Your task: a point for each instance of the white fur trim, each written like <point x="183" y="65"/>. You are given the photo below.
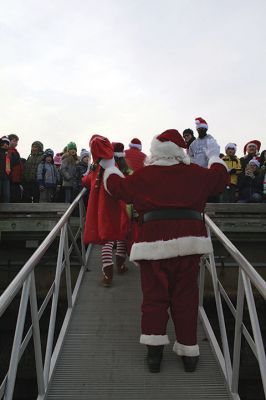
<point x="162" y="152"/>
<point x="183" y="350"/>
<point x="167" y="162"/>
<point x="108" y="172"/>
<point x="119" y="154"/>
<point x="154" y="340"/>
<point x="137" y="146"/>
<point x="162" y="249"/>
<point x="216" y="160"/>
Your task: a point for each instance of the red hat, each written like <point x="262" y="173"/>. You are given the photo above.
<point x="118" y="149"/>
<point x="101" y="148"/>
<point x="136" y="143"/>
<point x="201" y="123"/>
<point x="168" y="148"/>
<point x="57" y="159"/>
<point x="255" y="142"/>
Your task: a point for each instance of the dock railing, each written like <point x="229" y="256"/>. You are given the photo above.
<point x="249" y="281"/>
<point x="24" y="284"/>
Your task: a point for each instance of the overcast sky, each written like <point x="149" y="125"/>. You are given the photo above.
<point x="131" y="68"/>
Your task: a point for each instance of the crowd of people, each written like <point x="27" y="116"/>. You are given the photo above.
<point x="48" y="177"/>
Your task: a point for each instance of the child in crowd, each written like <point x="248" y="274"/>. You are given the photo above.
<point x="250" y="183"/>
<point x="251" y="151"/>
<point x="68" y="171"/>
<point x="16" y="174"/>
<point x="234" y="169"/>
<point x="47" y="177"/>
<point x="5" y="170"/>
<point x="59" y="193"/>
<point x="31" y="193"/>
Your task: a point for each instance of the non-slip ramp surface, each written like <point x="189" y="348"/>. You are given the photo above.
<point x="103" y="360"/>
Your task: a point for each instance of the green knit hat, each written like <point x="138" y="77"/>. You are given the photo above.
<point x="72" y="146"/>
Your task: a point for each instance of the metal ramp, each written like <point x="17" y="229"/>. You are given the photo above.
<point x="102" y="359"/>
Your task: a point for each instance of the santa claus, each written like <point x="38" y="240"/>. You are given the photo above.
<point x="169" y="195"/>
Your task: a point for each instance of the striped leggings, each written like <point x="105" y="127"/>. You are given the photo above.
<point x="107" y="252"/>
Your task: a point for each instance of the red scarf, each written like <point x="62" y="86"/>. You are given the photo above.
<point x="8" y="167"/>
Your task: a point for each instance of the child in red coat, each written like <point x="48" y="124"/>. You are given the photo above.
<point x="104" y="213"/>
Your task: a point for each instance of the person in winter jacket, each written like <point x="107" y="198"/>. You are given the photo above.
<point x="250" y="183"/>
<point x="5" y="170"/>
<point x="16" y="175"/>
<point x="47" y="177"/>
<point x="105" y="216"/>
<point x="197" y="149"/>
<point x="169" y="195"/>
<point x="134" y="156"/>
<point x="68" y="171"/>
<point x="31" y="193"/>
<point x="188" y="136"/>
<point x="251" y="152"/>
<point x="234" y="169"/>
<point x="82" y="168"/>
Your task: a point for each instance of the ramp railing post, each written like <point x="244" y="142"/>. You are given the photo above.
<point x="13" y="366"/>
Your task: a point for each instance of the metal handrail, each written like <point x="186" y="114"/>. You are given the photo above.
<point x="25" y="280"/>
<point x="247" y="276"/>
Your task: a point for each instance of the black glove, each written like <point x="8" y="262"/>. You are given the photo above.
<point x="232" y="171"/>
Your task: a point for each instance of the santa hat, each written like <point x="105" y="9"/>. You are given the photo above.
<point x="230" y="146"/>
<point x="118" y="150"/>
<point x="57" y="159"/>
<point x="136" y="143"/>
<point x="255" y="162"/>
<point x="255" y="142"/>
<point x="101" y="148"/>
<point x="168" y="149"/>
<point x="84" y="153"/>
<point x="201" y="123"/>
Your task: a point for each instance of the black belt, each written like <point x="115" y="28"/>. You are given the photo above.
<point x="172" y="213"/>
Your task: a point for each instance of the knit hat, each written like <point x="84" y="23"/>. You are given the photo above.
<point x="136" y="143"/>
<point x="201" y="123"/>
<point x="57" y="159"/>
<point x="39" y="144"/>
<point x="4" y="139"/>
<point x="48" y="153"/>
<point x="255" y="142"/>
<point x="118" y="150"/>
<point x="101" y="148"/>
<point x="169" y="145"/>
<point x="71" y="146"/>
<point x="84" y="153"/>
<point x="255" y="162"/>
<point x="230" y="146"/>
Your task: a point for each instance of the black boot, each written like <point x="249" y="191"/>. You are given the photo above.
<point x="154" y="357"/>
<point x="190" y="363"/>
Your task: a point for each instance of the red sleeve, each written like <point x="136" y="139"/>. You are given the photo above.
<point x="216" y="186"/>
<point x="120" y="187"/>
<point x="86" y="181"/>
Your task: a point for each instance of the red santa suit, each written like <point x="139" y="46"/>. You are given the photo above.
<point x="134" y="156"/>
<point x="169" y="194"/>
<point x="105" y="217"/>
